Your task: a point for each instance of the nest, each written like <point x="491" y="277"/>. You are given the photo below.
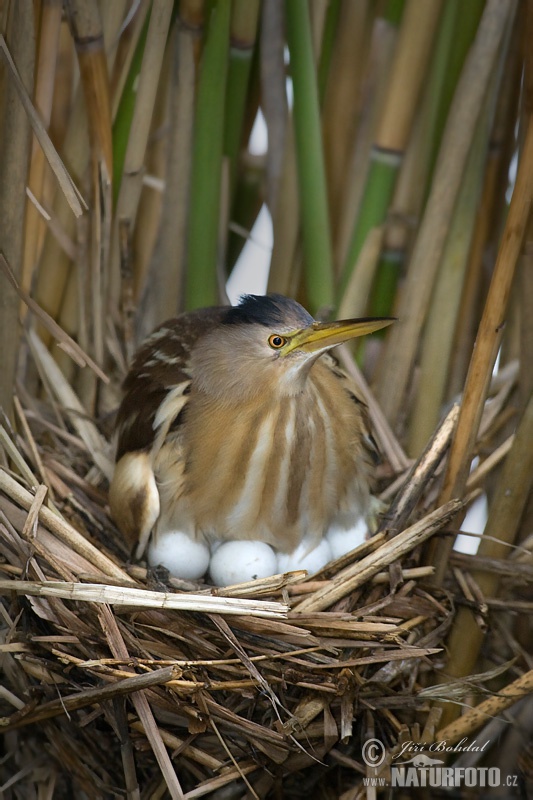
<point x="119" y="681"/>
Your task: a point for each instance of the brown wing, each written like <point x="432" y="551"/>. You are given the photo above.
<point x="160" y="367"/>
<point x="155" y="394"/>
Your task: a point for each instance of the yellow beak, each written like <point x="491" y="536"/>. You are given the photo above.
<point x="324" y="335"/>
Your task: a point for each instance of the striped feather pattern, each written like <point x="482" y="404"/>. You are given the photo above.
<point x="241" y="444"/>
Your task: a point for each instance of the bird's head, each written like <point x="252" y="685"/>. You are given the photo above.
<point x="268" y="341"/>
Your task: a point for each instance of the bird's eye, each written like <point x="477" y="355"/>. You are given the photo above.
<point x="276" y="341"/>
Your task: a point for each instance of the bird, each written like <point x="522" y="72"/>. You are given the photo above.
<point x="239" y="438"/>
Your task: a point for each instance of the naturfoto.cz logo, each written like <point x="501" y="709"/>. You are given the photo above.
<point x="424" y="770"/>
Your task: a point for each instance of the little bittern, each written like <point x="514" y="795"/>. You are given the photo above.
<point x="237" y="424"/>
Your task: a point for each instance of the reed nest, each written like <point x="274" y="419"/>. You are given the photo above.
<point x="119" y="681"/>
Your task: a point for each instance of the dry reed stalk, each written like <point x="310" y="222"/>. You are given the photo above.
<point x="55" y="263"/>
<point x="66" y="342"/>
<point x="145" y="227"/>
<point x="63" y="392"/>
<point x="138" y="598"/>
<point x="382" y="45"/>
<point x="283" y="273"/>
<point x="439" y="334"/>
<point x="129" y="191"/>
<point x="193" y="18"/>
<point x="473" y="719"/>
<point x="47" y="49"/>
<point x="389" y="444"/>
<point x="98" y="695"/>
<point x="273" y="99"/>
<point x="411" y="57"/>
<point x="62" y="529"/>
<point x="490" y="212"/>
<point x="122" y="41"/>
<point x="359" y="287"/>
<point x="507" y="507"/>
<point x="343" y="99"/>
<point x="489" y="334"/>
<point x="525" y="288"/>
<point x="401" y="349"/>
<point x="421" y="473"/>
<point x="12" y="453"/>
<point x="355" y="575"/>
<point x="14" y="162"/>
<point x="167" y="268"/>
<point x="87" y="32"/>
<point x="412" y="54"/>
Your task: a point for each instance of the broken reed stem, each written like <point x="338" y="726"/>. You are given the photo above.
<point x="143" y="598"/>
<point x="83" y="425"/>
<point x="422" y="472"/>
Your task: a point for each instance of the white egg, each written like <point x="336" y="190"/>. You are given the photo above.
<point x="342" y="541"/>
<point x="303" y="558"/>
<point x="241" y="561"/>
<point x="182" y="556"/>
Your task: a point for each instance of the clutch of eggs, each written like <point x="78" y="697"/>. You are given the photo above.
<point x="239" y="561"/>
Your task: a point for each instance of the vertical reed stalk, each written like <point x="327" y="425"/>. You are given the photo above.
<point x="488" y="338"/>
<point x="410" y="62"/>
<point x="44" y="87"/>
<point x="206" y="176"/>
<point x="167" y="269"/>
<point x="87" y="32"/>
<point x="14" y="162"/>
<point x="442" y="316"/>
<point x="508" y="504"/>
<point x="243" y="31"/>
<point x="310" y="158"/>
<point x="343" y="98"/>
<point x="402" y="348"/>
<point x="129" y="191"/>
